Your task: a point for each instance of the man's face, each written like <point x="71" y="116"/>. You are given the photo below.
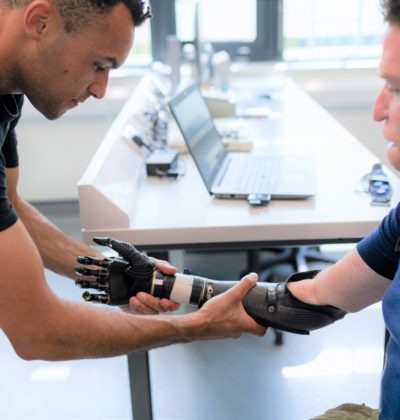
<point x="71" y="67"/>
<point x="387" y="104"/>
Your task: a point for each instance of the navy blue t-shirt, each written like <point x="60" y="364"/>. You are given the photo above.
<point x="10" y="112"/>
<point x="378" y="252"/>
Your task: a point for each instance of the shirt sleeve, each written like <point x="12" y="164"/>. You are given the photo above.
<point x="378" y="248"/>
<point x="8" y="216"/>
<point x="9" y="159"/>
<point x="9" y="148"/>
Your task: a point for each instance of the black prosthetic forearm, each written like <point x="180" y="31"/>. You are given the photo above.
<point x="270" y="304"/>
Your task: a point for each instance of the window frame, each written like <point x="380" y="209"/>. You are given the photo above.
<point x="317" y="48"/>
<point x="267" y="45"/>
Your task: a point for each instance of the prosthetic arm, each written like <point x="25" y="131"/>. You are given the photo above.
<point x="270" y="304"/>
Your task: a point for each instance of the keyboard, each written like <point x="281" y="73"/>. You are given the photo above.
<point x="251" y="174"/>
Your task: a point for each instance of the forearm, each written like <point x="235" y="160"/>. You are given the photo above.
<point x="40" y="325"/>
<point x="58" y="251"/>
<point x="76" y="331"/>
<point x="62" y="330"/>
<point x="349" y="285"/>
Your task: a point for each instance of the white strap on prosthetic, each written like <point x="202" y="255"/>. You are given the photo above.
<point x="182" y="288"/>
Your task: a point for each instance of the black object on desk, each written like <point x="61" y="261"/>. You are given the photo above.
<point x="162" y="162"/>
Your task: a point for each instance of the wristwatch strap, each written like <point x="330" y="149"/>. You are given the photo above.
<point x="379" y="186"/>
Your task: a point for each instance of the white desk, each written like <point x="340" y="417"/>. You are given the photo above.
<point x="168" y="214"/>
<point x="117" y="200"/>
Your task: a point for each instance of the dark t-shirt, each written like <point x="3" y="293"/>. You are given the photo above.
<point x="378" y="251"/>
<point x="10" y="111"/>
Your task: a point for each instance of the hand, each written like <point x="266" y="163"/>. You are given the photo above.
<point x="225" y="315"/>
<point x="146" y="304"/>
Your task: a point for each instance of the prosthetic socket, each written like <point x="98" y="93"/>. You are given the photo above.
<point x="269" y="304"/>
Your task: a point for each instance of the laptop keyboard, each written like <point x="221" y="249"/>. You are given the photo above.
<point x="252" y="174"/>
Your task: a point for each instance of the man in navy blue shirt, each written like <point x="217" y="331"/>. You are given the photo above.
<point x="370" y="272"/>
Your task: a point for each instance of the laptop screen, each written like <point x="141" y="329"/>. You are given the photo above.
<point x="197" y="127"/>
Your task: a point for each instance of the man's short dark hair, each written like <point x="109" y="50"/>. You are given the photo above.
<point x="78" y="14"/>
<point x="391" y="11"/>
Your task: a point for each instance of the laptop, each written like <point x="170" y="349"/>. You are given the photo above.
<point x="237" y="175"/>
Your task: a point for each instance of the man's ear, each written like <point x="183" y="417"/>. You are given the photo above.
<point x="40" y="18"/>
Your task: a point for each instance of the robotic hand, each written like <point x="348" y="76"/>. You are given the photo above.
<point x="270" y="304"/>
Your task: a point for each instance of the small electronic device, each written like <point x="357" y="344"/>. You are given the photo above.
<point x="162" y="162"/>
<point x="257" y="200"/>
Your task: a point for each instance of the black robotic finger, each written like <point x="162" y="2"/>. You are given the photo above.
<point x="84" y="271"/>
<point x="86" y="284"/>
<point x="95" y="297"/>
<point x="126" y="250"/>
<point x="100" y="262"/>
<point x="104" y="241"/>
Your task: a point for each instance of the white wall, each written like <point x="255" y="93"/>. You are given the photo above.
<point x="54" y="154"/>
<point x="349" y="95"/>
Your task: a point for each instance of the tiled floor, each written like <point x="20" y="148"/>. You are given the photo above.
<point x="245" y="379"/>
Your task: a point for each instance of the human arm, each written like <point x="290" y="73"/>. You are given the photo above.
<point x="350" y="284"/>
<point x="59" y="251"/>
<point x="270" y="304"/>
<point x="40" y="325"/>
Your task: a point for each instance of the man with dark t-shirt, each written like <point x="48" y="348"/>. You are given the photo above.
<point x="59" y="53"/>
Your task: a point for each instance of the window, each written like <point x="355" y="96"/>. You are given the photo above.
<point x="295" y="30"/>
<point x="331" y="30"/>
<point x="141" y="53"/>
<point x="241" y="26"/>
<point x="246" y="29"/>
